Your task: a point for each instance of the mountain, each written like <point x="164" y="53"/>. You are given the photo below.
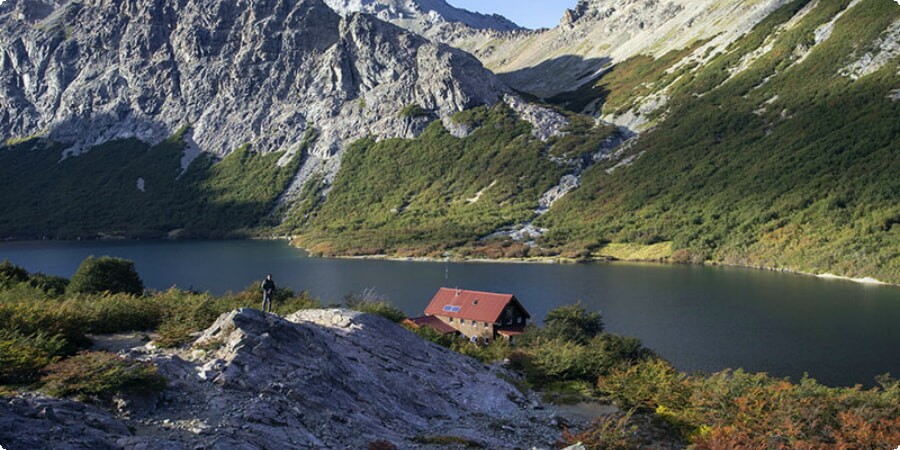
<point x="778" y="150"/>
<point x="423" y="15"/>
<point x="749" y="133"/>
<point x="315" y="379"/>
<point x="235" y="72"/>
<point x="598" y="33"/>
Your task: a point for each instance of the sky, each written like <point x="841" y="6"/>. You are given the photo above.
<point x="527" y="13"/>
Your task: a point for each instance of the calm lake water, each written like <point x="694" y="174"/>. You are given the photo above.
<point x="699" y="318"/>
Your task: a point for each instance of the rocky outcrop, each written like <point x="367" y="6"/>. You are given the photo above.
<point x="545" y="122"/>
<point x="884" y="49"/>
<point x="235" y="71"/>
<point x="316" y="379"/>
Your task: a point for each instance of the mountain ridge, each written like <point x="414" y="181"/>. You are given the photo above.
<point x="236" y="73"/>
<point x="422" y="13"/>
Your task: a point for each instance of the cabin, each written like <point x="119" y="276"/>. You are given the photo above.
<point x="479" y="316"/>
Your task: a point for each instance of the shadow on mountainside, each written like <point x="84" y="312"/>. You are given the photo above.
<point x="555" y="76"/>
<point x="128" y="188"/>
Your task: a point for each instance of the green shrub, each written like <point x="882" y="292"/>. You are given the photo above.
<point x="558" y="360"/>
<point x="496" y="350"/>
<point x="106" y="274"/>
<point x="53" y="318"/>
<point x="100" y="376"/>
<point x="173" y="333"/>
<point x="11" y="274"/>
<point x="113" y="313"/>
<point x="187" y="313"/>
<point x="648" y="384"/>
<point x="572" y="323"/>
<point x="22" y="357"/>
<point x="413" y="110"/>
<point x="53" y="285"/>
<point x="614" y="432"/>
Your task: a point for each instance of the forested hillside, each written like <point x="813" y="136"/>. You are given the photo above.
<point x="792" y="162"/>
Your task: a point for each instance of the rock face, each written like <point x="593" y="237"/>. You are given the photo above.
<point x="316" y="379"/>
<point x="597" y="33"/>
<point x="236" y="71"/>
<point x="423" y="15"/>
<point x="33" y="421"/>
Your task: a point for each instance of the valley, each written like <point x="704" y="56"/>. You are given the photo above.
<point x="768" y="140"/>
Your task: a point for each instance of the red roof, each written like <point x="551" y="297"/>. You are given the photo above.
<point x="433" y="323"/>
<point x="471" y="305"/>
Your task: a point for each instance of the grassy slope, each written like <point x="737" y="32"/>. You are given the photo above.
<point x="810" y="184"/>
<point x="96" y="192"/>
<point x="413" y="197"/>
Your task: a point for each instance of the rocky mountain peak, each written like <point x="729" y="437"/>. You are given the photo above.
<point x="236" y="71"/>
<point x="570" y="16"/>
<point x="426" y="12"/>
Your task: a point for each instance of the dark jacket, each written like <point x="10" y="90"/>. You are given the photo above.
<point x="268" y="285"/>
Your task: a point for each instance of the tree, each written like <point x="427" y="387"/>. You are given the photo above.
<point x="106" y="274"/>
<point x="572" y="323"/>
<point x="11" y="274"/>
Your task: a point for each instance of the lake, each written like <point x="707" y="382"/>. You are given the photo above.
<point x="699" y="318"/>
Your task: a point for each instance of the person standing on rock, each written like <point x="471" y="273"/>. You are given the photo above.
<point x="268" y="290"/>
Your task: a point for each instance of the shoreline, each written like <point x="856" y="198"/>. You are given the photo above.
<point x="866" y="280"/>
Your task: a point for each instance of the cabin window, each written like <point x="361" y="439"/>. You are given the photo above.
<point x="485" y="324"/>
<point x="519" y="320"/>
<point x="462" y="321"/>
<point x="451" y="320"/>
